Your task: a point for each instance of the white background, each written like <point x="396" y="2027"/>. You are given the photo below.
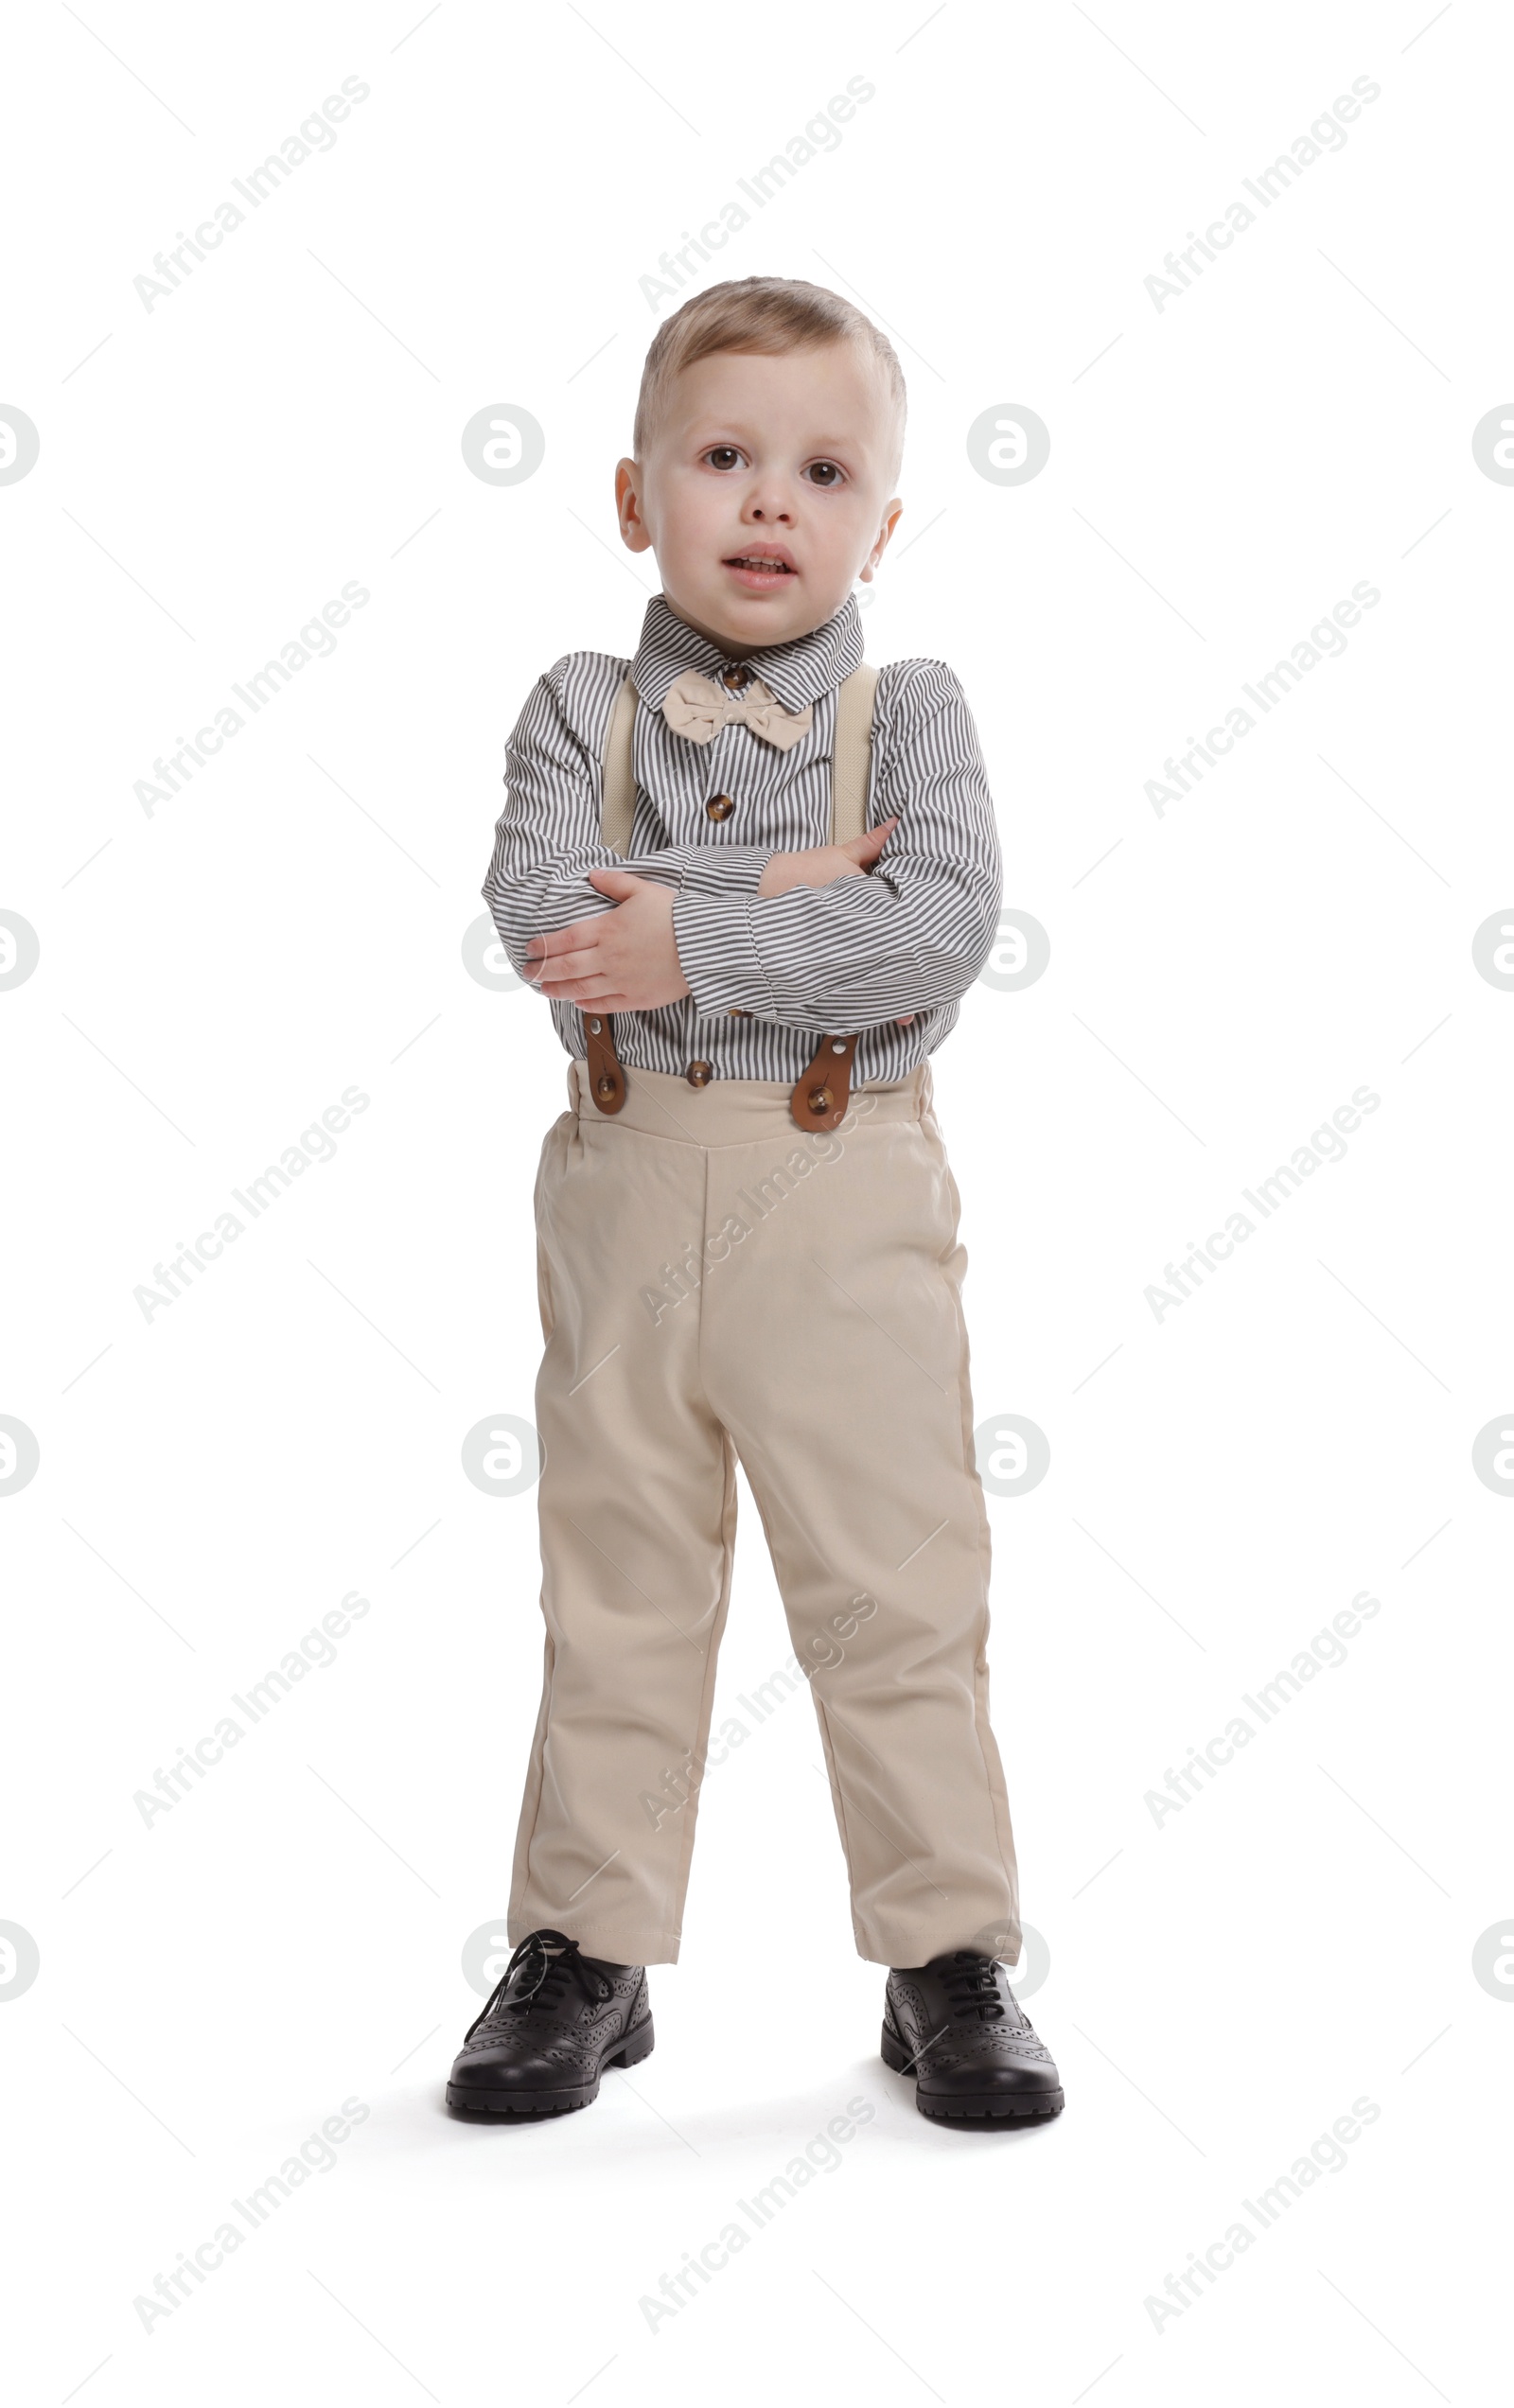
<point x="1223" y="1984"/>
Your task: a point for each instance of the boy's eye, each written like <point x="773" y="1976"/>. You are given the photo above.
<point x="826" y="474"/>
<point x="724" y="455"/>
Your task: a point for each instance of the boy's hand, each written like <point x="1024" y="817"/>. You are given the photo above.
<point x="623" y="961"/>
<point x="823" y="863"/>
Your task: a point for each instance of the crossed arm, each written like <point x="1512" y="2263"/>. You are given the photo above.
<point x="895" y="923"/>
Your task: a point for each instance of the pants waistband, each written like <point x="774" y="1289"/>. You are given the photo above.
<point x="737" y="1112"/>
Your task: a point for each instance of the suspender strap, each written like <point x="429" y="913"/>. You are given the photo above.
<point x="849" y="752"/>
<point x="607" y="1079"/>
<point x="618" y="803"/>
<point x="822" y="1090"/>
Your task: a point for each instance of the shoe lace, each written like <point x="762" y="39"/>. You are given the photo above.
<point x="548" y="1962"/>
<point x="972" y="1984"/>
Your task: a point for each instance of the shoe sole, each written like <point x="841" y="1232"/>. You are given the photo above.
<point x="533" y="2106"/>
<point x="1031" y="2107"/>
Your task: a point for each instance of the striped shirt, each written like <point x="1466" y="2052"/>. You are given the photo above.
<point x="768" y="977"/>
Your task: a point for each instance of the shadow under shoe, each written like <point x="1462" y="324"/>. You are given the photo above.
<point x="957" y="2026"/>
<point x="553" y="2024"/>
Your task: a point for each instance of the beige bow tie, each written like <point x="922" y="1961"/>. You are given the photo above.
<point x="695" y="707"/>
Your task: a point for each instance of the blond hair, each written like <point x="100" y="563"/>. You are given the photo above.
<point x="766" y="314"/>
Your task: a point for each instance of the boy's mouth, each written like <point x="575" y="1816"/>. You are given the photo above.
<point x="761" y="567"/>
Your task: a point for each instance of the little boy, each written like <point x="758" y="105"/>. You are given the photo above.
<point x="718" y="1283"/>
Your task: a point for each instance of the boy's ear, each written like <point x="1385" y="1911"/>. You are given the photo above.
<point x="892" y="512"/>
<point x="635" y="534"/>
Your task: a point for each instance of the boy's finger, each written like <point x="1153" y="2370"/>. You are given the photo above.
<point x="872" y="840"/>
<point x="568" y="939"/>
<point x="583" y="964"/>
<point x="584" y="991"/>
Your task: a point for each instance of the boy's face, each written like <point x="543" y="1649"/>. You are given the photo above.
<point x="780" y="459"/>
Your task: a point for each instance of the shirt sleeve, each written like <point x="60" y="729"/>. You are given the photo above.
<point x="547" y="837"/>
<point x="908" y="935"/>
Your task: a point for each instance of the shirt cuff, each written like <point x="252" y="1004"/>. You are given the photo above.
<point x="730" y="871"/>
<point x="718" y="956"/>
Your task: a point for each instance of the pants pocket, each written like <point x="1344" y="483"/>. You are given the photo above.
<point x="550" y="1173"/>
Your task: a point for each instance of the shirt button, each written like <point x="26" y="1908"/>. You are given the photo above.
<point x="734" y="677"/>
<point x="737" y="1011"/>
<point x="699" y="1074"/>
<point x="720" y="807"/>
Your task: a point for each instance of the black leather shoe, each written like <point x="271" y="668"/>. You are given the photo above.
<point x="956" y="2025"/>
<point x="551" y="2026"/>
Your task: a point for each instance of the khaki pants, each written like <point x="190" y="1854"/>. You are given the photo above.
<point x="717" y="1284"/>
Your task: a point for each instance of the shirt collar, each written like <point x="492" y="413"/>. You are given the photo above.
<point x="797" y="673"/>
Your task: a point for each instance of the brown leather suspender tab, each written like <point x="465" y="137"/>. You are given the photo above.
<point x="607" y="1080"/>
<point x="821" y="1092"/>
